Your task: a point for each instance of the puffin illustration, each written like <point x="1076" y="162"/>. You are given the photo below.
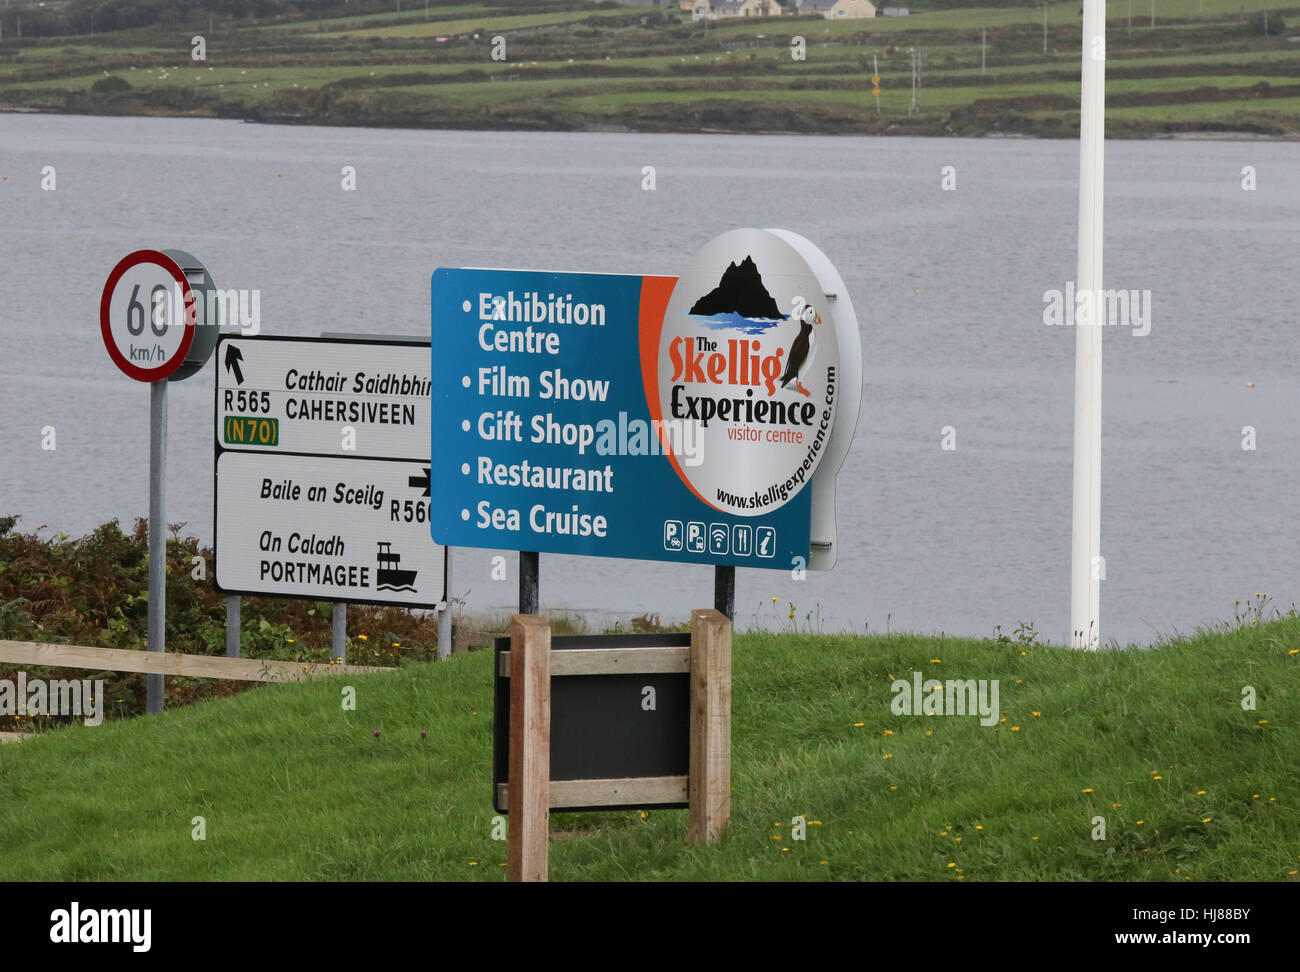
<point x="801" y="351"/>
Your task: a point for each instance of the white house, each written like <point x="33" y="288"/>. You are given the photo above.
<point x="726" y="9"/>
<point x="839" y="9"/>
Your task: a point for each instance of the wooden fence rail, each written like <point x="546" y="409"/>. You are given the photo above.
<point x="169" y="663"/>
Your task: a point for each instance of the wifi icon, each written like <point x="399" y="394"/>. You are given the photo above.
<point x="718" y="536"/>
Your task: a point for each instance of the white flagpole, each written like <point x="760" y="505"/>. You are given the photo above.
<point x="1086" y="565"/>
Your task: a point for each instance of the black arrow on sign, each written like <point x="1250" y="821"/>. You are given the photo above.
<point x="418" y="481"/>
<point x="233" y="357"/>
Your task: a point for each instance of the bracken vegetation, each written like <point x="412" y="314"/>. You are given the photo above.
<point x="93" y="590"/>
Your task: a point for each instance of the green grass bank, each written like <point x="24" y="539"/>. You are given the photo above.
<point x="1154" y="744"/>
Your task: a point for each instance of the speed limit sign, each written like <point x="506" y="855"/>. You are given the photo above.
<point x="154" y="319"/>
<point x="148" y="317"/>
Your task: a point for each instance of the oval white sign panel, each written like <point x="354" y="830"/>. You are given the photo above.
<point x="746" y="351"/>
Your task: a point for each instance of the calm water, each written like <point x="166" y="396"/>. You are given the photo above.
<point x="947" y="285"/>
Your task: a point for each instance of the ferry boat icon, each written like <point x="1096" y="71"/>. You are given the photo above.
<point x="389" y="577"/>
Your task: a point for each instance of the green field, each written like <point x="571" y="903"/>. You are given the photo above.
<point x="292" y="787"/>
<point x="411" y="15"/>
<point x="1206" y="65"/>
<point x="485" y="21"/>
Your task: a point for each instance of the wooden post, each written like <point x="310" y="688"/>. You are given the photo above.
<point x="529" y="792"/>
<point x="710" y="779"/>
<point x="724" y="590"/>
<point x="529" y="581"/>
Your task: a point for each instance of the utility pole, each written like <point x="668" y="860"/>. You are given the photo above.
<point x="875" y="84"/>
<point x="1130" y="18"/>
<point x="911" y="53"/>
<point x="1153" y="13"/>
<point x="984" y="34"/>
<point x="1045" y="27"/>
<point x="916" y="78"/>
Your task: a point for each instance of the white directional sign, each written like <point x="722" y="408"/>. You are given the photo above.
<point x="316" y="527"/>
<point x="325" y="397"/>
<point x="322" y="471"/>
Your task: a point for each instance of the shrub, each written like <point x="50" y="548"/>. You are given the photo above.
<point x="1268" y="23"/>
<point x="110" y="85"/>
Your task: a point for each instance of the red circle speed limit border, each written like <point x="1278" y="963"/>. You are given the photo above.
<point x="130" y="325"/>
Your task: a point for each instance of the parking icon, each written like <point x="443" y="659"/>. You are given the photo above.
<point x="765" y="536"/>
<point x="741" y="536"/>
<point x="695" y="542"/>
<point x="672" y="534"/>
<point x="718" y="534"/>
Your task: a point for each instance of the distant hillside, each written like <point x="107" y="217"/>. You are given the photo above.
<point x="1203" y="66"/>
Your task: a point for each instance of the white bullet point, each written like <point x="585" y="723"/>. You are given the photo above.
<point x="464" y="514"/>
<point x="464" y="469"/>
<point x="464" y="382"/>
<point x="464" y="425"/>
<point x="465" y="306"/>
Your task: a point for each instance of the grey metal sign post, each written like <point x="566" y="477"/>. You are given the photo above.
<point x="157" y="538"/>
<point x="340" y="643"/>
<point x="444" y="615"/>
<point x="232" y="626"/>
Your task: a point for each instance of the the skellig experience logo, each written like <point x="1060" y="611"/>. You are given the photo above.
<point x="751" y="357"/>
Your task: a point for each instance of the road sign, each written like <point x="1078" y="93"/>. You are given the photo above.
<point x="147" y="316"/>
<point x="619" y="415"/>
<point x="300" y="394"/>
<point x="326" y="528"/>
<point x="605" y="727"/>
<point x="149" y="319"/>
<point x="322" y="476"/>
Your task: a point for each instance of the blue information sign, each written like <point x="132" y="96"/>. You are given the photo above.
<point x="646" y="417"/>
